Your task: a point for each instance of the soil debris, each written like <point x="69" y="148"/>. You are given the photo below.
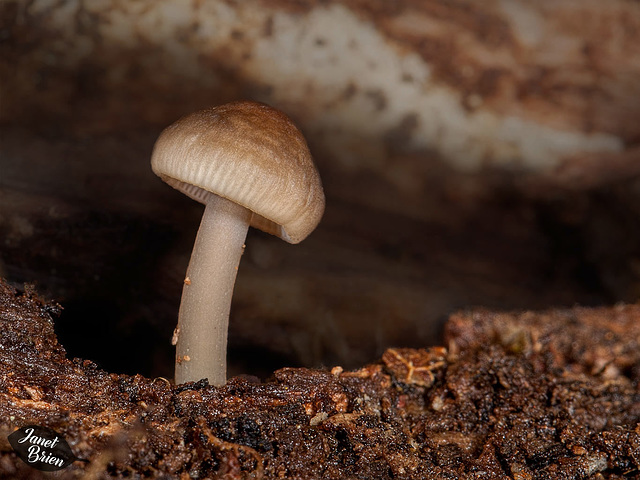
<point x="551" y="395"/>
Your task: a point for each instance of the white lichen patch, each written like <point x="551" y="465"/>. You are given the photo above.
<point x="313" y="59"/>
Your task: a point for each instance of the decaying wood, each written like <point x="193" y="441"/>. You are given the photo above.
<point x="525" y="85"/>
<point x="529" y="395"/>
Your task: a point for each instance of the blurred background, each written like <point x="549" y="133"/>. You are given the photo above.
<point x="473" y="154"/>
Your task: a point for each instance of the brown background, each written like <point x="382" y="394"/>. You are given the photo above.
<point x="471" y="155"/>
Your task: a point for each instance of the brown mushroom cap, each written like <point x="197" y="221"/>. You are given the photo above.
<point x="251" y="154"/>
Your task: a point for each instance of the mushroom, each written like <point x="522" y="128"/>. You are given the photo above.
<point x="249" y="165"/>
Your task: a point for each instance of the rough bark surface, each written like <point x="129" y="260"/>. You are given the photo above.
<point x="553" y="395"/>
<point x="541" y="87"/>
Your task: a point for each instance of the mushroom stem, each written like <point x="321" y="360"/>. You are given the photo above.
<point x="201" y="348"/>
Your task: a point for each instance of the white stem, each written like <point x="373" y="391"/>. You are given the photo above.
<point x="201" y="349"/>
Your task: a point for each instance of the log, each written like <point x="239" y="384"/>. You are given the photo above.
<point x="507" y="84"/>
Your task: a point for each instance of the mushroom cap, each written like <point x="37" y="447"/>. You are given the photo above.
<point x="251" y="154"/>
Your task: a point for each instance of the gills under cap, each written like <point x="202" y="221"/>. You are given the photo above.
<point x="248" y="153"/>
